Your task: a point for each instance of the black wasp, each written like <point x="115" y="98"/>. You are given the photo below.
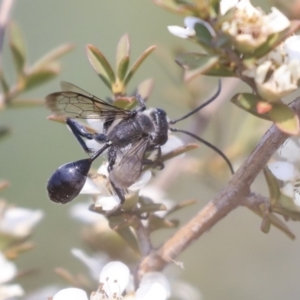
<point x="127" y="134"/>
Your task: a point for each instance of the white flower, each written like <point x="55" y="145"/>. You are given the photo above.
<point x="153" y="285"/>
<point x="71" y="294"/>
<point x="18" y="221"/>
<point x="114" y="278"/>
<point x="287" y="169"/>
<point x="250" y="27"/>
<point x="277" y="74"/>
<point x="8" y="271"/>
<point x="188" y="31"/>
<point x="226" y="5"/>
<point x="8" y="291"/>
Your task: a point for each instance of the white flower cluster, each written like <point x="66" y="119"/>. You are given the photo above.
<point x="115" y="281"/>
<point x="276" y="74"/>
<point x="287" y="169"/>
<point x="250" y="27"/>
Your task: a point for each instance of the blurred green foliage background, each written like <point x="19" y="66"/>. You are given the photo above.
<point x="235" y="260"/>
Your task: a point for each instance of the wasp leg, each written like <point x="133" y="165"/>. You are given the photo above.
<point x="80" y="132"/>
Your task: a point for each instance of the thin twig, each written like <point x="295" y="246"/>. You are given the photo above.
<point x="5" y="9"/>
<point x="230" y="198"/>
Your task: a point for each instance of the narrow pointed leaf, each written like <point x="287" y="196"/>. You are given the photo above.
<point x="156" y="222"/>
<point x="52" y="56"/>
<point x="285" y="118"/>
<point x="4" y="84"/>
<point x="122" y="59"/>
<point x="39" y="77"/>
<point x="196" y="65"/>
<point x="203" y="35"/>
<point x="273" y="186"/>
<point x="138" y="63"/>
<point x="152" y="207"/>
<point x="17" y="47"/>
<point x="101" y="65"/>
<point x="145" y="88"/>
<point x="279" y="113"/>
<point x="192" y="61"/>
<point x="179" y="7"/>
<point x="122" y="68"/>
<point x="26" y="103"/>
<point x="125" y="232"/>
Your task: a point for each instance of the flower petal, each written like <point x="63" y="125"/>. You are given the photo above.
<point x="181" y="32"/>
<point x="107" y="203"/>
<point x="90" y="188"/>
<point x="71" y="293"/>
<point x="115" y="278"/>
<point x="283" y="170"/>
<point x="277" y="21"/>
<point x="290" y="151"/>
<point x="8" y="270"/>
<point x="225" y="5"/>
<point x="149" y="292"/>
<point x="292" y="47"/>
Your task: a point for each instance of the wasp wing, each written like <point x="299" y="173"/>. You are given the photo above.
<point x="128" y="168"/>
<point x="74" y="102"/>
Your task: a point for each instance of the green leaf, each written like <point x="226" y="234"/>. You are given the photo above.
<point x="4" y="84"/>
<point x="122" y="59"/>
<point x="39" y="77"/>
<point x="145" y="88"/>
<point x="101" y="65"/>
<point x="273" y="186"/>
<point x="192" y="61"/>
<point x="125" y="232"/>
<point x="138" y="63"/>
<point x="177" y="6"/>
<point x="203" y="36"/>
<point x="156" y="223"/>
<point x="206" y="64"/>
<point x="17" y="47"/>
<point x="151" y="207"/>
<point x="285" y="118"/>
<point x="52" y="56"/>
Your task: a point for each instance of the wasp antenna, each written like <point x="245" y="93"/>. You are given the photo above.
<point x="208" y="145"/>
<point x="216" y="95"/>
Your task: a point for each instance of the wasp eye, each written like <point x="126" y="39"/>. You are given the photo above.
<point x="67" y="181"/>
